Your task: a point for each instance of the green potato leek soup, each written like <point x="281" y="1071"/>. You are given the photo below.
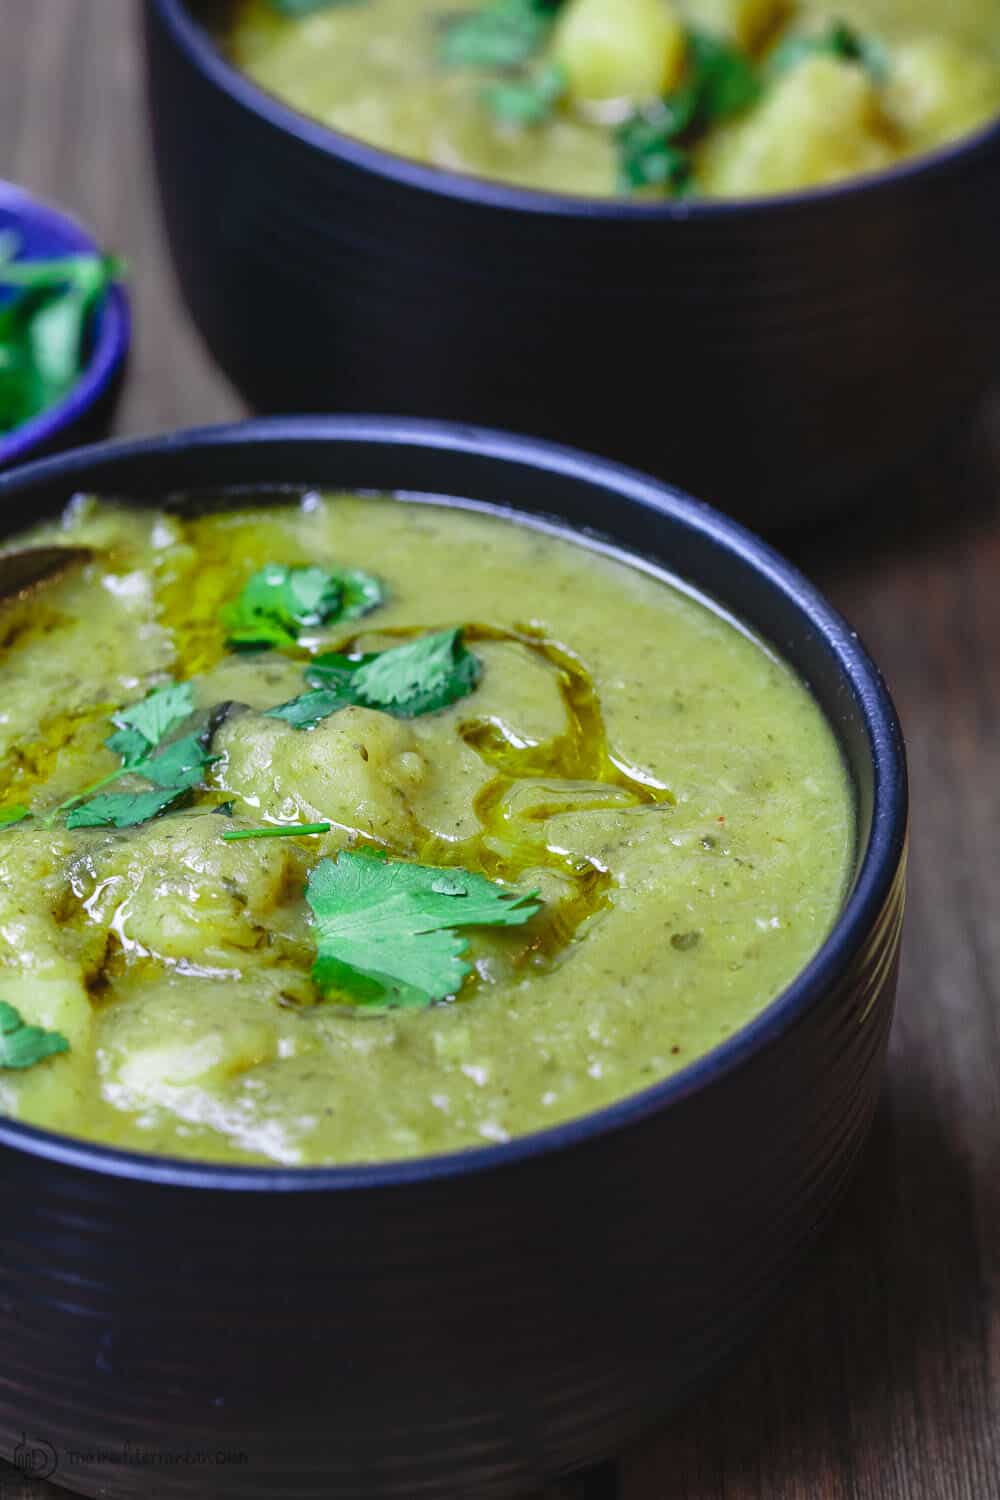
<point x="345" y="829"/>
<point x="648" y="98"/>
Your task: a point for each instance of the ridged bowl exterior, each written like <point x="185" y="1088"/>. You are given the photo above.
<point x="776" y="357"/>
<point x="464" y="1326"/>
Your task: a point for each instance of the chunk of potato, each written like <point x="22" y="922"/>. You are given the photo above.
<point x="939" y="90"/>
<point x="357" y="769"/>
<point x="201" y="1052"/>
<point x="746" y="22"/>
<point x="177" y="890"/>
<point x="619" y="49"/>
<point x="823" y="122"/>
<point x="36" y="901"/>
<point x="173" y="1034"/>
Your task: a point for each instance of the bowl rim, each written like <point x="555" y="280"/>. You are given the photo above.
<point x="194" y="40"/>
<point x="877" y="865"/>
<point x="113" y="330"/>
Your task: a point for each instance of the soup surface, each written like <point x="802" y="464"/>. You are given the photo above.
<point x="632" y="812"/>
<point x="723" y="98"/>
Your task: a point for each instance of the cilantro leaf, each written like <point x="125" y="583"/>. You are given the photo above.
<point x="386" y="929"/>
<point x="180" y="765"/>
<point x="174" y="770"/>
<point x="131" y="744"/>
<point x="500" y="34"/>
<point x="21" y="1045"/>
<point x="647" y="157"/>
<point x="336" y="672"/>
<point x="143" y="725"/>
<point x="122" y="809"/>
<point x="57" y="331"/>
<point x="43" y="328"/>
<point x="420" y="677"/>
<point x="56" y="272"/>
<point x="838" y="40"/>
<point x="360" y="593"/>
<point x="654" y="142"/>
<point x="313" y="594"/>
<point x="332" y="677"/>
<point x="14" y="814"/>
<point x="527" y="101"/>
<point x="277" y="603"/>
<point x="310" y="709"/>
<point x="725" y="78"/>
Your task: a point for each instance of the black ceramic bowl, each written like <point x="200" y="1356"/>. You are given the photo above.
<point x="776" y="355"/>
<point x="459" y="1326"/>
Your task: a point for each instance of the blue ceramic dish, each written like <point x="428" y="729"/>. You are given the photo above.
<point x="86" y="412"/>
<point x="774" y="355"/>
<point x="466" y="1325"/>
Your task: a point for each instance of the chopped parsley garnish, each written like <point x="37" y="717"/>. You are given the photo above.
<point x="278" y="603"/>
<point x="44" y="322"/>
<point x="838" y="40"/>
<point x="420" y="677"/>
<point x="499" y="34"/>
<point x="654" y="143"/>
<point x="386" y="930"/>
<point x="529" y="100"/>
<point x="288" y="831"/>
<point x="21" y="1045"/>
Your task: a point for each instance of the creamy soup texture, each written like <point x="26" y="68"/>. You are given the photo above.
<point x="657" y="791"/>
<point x="719" y="98"/>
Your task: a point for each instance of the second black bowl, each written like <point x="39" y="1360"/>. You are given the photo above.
<point x="775" y="356"/>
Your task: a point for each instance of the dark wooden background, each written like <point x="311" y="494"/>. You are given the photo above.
<point x="881" y="1379"/>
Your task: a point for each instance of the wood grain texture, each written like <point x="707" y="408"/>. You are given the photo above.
<point x="72" y="128"/>
<point x="881" y="1378"/>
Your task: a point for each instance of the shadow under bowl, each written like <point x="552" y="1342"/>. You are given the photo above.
<point x="85" y="413"/>
<point x="471" y="1324"/>
<point x="778" y="356"/>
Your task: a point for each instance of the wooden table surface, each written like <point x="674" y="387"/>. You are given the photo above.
<point x="881" y="1378"/>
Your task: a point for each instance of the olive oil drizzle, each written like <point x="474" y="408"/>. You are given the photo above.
<point x="504" y="848"/>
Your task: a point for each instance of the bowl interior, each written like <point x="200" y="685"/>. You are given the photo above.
<point x="44" y="231"/>
<point x="600" y="503"/>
